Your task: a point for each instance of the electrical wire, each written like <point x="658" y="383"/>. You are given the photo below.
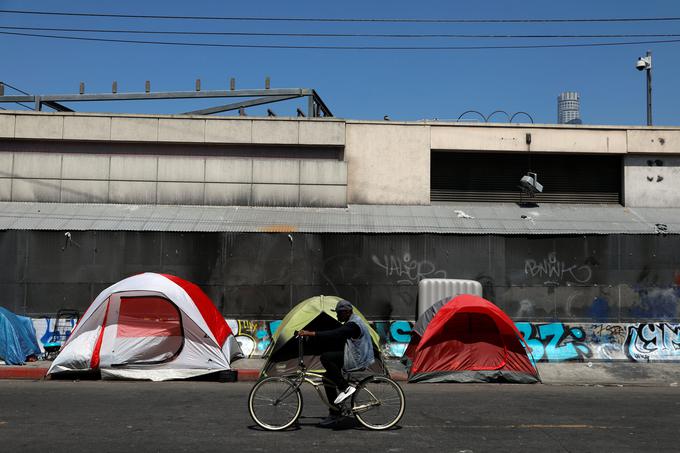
<point x="20" y="91"/>
<point x="14" y="88"/>
<point x="338" y="35"/>
<point x="345" y="19"/>
<point x="320" y="47"/>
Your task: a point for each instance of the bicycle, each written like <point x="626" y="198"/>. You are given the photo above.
<point x="275" y="403"/>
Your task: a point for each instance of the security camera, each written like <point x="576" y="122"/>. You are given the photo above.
<point x="643" y="63"/>
<point x="530" y="183"/>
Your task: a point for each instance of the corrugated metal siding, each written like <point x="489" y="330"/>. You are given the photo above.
<point x="481" y="218"/>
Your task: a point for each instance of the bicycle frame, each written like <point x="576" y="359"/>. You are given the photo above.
<point x="316" y="380"/>
<point x="302" y="375"/>
<point x="287" y="386"/>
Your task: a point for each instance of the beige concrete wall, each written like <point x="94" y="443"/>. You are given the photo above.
<point x="660" y="141"/>
<point x="652" y="181"/>
<point x="514" y="139"/>
<point x="198" y="180"/>
<point x="385" y="162"/>
<point x="388" y="164"/>
<point x="171" y="129"/>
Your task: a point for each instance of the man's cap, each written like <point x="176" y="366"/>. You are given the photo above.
<point x="342" y="305"/>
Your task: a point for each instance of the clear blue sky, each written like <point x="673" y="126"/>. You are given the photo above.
<point x="406" y="85"/>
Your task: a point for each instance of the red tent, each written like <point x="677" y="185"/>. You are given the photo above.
<point x="469" y="339"/>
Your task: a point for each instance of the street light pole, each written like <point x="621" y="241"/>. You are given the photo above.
<point x="649" y="88"/>
<point x="645" y="63"/>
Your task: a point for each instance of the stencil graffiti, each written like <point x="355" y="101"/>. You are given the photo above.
<point x="555" y="342"/>
<point x="407" y="270"/>
<point x="653" y="342"/>
<point x="555" y="271"/>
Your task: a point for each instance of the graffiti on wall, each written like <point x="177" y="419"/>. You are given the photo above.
<point x="656" y="302"/>
<point x="653" y="342"/>
<point x="606" y="341"/>
<point x="554" y="342"/>
<point x="406" y="269"/>
<point x="554" y="271"/>
<point x="549" y="342"/>
<point x="394" y="336"/>
<point x="47" y="331"/>
<point x="254" y="337"/>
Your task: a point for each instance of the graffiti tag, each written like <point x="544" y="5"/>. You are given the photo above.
<point x="406" y="269"/>
<point x="555" y="271"/>
<point x="653" y="342"/>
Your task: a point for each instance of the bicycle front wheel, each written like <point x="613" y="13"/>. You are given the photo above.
<point x="378" y="403"/>
<point x="275" y="403"/>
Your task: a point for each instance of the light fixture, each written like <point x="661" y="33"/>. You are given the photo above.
<point x="530" y="185"/>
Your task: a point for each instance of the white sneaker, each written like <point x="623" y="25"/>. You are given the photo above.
<point x="344" y="395"/>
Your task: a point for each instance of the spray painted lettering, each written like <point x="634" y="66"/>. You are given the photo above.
<point x="406" y="269"/>
<point x="552" y="342"/>
<point x="394" y="336"/>
<point x="555" y="342"/>
<point x="653" y="342"/>
<point x="555" y="271"/>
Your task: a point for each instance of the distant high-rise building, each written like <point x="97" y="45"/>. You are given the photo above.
<point x="568" y="109"/>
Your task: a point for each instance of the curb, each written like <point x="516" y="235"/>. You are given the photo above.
<point x="22" y="372"/>
<point x="36" y="373"/>
<point x="246" y="375"/>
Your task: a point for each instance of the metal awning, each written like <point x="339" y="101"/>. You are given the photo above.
<point x="469" y="218"/>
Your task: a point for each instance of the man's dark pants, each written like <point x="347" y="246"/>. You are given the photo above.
<point x="333" y="361"/>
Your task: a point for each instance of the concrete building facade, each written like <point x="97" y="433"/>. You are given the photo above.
<point x="265" y="212"/>
<point x="95" y="158"/>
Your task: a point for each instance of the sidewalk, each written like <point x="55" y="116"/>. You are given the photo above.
<point x="569" y="373"/>
<point x="248" y="370"/>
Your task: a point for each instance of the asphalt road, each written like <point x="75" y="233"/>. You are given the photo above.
<point x="97" y="416"/>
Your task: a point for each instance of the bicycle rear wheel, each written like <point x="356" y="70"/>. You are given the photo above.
<point x="275" y="403"/>
<point x="378" y="403"/>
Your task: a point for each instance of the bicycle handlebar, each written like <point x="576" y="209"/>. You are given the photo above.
<point x="301" y="350"/>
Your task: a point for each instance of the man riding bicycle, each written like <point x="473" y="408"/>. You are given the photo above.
<point x="356" y="353"/>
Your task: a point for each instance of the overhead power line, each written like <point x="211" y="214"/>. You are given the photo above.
<point x="343" y="35"/>
<point x="4" y="82"/>
<point x="344" y="19"/>
<point x="322" y="47"/>
<point x="20" y="91"/>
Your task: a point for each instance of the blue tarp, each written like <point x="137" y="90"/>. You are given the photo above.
<point x="17" y="338"/>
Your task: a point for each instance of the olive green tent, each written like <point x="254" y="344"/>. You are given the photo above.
<point x="314" y="313"/>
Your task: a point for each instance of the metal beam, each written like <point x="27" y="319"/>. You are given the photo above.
<point x="237" y="105"/>
<point x="160" y="95"/>
<point x="319" y="102"/>
<point x="315" y="105"/>
<point x="57" y="106"/>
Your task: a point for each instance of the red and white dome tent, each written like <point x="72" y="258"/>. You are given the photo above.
<point x="150" y="326"/>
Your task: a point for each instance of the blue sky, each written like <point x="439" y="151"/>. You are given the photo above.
<point x="406" y="85"/>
